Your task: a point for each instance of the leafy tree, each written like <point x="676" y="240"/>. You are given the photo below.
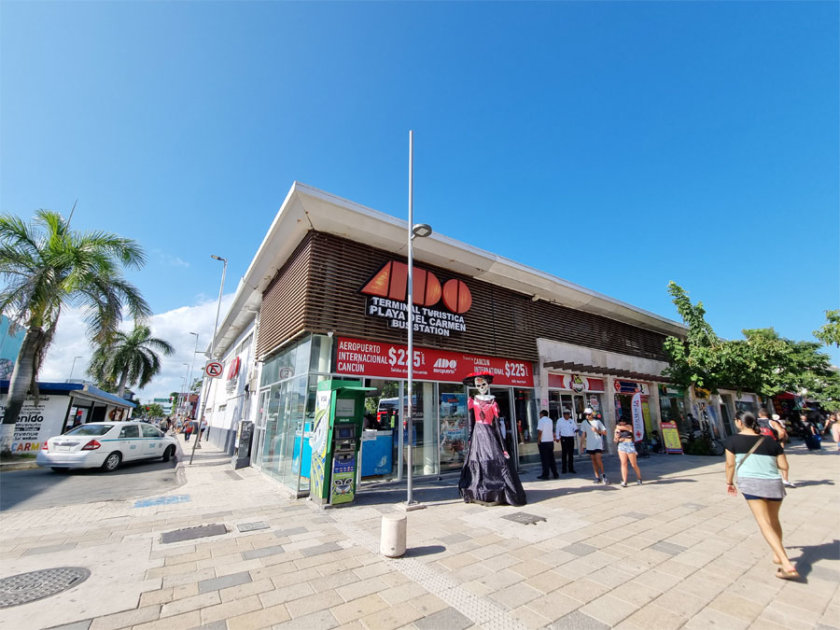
<point x="129" y="358"/>
<point x="762" y="362"/>
<point x="829" y="334"/>
<point x="695" y="360"/>
<point x="45" y="266"/>
<point x="155" y="410"/>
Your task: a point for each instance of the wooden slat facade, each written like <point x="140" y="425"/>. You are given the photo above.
<point x="318" y="291"/>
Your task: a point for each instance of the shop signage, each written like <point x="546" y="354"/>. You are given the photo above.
<point x="629" y="387"/>
<point x="565" y="381"/>
<point x="577" y="383"/>
<point x="671" y="438"/>
<point x="356" y="357"/>
<point x="388" y="290"/>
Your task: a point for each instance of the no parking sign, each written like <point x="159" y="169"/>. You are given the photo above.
<point x="214" y="369"/>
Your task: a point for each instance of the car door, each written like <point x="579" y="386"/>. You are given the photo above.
<point x="152" y="441"/>
<point x="130" y="442"/>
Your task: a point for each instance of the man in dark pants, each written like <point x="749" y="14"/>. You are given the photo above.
<point x="565" y="434"/>
<point x="545" y="442"/>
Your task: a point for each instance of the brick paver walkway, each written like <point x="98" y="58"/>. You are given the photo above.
<point x="673" y="553"/>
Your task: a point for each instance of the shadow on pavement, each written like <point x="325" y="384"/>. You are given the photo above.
<point x="428" y="550"/>
<point x="812" y="554"/>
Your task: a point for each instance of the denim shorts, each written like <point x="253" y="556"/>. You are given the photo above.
<point x="627" y="447"/>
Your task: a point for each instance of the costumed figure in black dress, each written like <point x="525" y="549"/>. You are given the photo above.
<point x="489" y="475"/>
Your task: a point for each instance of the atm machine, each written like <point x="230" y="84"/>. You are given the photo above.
<point x="335" y="441"/>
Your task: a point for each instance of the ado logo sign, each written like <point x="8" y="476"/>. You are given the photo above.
<point x="388" y="289"/>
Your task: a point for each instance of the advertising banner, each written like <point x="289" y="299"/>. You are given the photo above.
<point x="37" y="422"/>
<point x="638" y="417"/>
<point x="671" y="438"/>
<point x="373" y="359"/>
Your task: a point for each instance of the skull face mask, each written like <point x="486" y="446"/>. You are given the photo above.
<point x="482" y="385"/>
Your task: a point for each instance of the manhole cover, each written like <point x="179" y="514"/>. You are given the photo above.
<point x="27" y="587"/>
<point x="524" y="518"/>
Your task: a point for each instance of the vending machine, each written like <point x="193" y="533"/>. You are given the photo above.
<point x="335" y="441"/>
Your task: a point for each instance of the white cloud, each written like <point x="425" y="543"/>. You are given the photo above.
<point x="170" y="259"/>
<point x="172" y="326"/>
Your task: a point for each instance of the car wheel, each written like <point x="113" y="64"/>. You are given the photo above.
<point x="169" y="452"/>
<point x="112" y="462"/>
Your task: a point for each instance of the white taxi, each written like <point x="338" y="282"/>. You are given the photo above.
<point x="106" y="445"/>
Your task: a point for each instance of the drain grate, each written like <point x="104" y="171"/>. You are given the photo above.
<point x="27" y="587"/>
<point x="524" y="518"/>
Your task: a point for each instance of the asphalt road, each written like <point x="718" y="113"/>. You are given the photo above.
<point x="43" y="488"/>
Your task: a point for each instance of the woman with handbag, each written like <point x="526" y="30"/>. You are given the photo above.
<point x="756" y="461"/>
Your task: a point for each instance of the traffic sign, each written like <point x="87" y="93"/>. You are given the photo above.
<point x="214" y="369"/>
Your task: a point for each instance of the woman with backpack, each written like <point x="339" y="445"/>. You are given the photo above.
<point x="757" y="463"/>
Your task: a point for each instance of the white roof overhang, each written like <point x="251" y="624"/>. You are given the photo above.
<point x="306" y="208"/>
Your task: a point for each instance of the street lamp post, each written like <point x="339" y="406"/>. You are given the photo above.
<point x="421" y="230"/>
<point x="192" y="365"/>
<point x="73" y="367"/>
<point x="206" y="392"/>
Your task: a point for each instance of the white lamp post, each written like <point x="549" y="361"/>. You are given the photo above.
<point x="205" y="392"/>
<point x="73" y="367"/>
<point x="422" y="230"/>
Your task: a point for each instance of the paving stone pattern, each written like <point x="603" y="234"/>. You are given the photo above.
<point x="673" y="553"/>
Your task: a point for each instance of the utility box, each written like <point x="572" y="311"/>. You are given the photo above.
<point x="242" y="458"/>
<point x="335" y="441"/>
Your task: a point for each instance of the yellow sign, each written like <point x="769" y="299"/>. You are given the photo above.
<point x="671" y="438"/>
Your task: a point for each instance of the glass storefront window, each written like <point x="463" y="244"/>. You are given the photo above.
<point x="424" y="429"/>
<point x="672" y="409"/>
<point x="525" y="420"/>
<point x="454" y="425"/>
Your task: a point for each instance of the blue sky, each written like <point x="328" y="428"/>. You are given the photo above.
<point x="616" y="145"/>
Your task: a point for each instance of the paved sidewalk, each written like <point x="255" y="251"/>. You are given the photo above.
<point x="673" y="553"/>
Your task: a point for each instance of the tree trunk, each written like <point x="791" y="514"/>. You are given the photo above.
<point x="22" y="376"/>
<point x="121" y="386"/>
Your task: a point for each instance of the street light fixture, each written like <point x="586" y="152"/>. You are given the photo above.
<point x="421" y="230"/>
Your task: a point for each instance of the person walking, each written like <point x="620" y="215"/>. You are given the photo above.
<point x="188" y="429"/>
<point x="757" y="463"/>
<point x="545" y="444"/>
<point x="774" y="430"/>
<point x="833" y="426"/>
<point x="623" y="436"/>
<point x="565" y="434"/>
<point x="593" y="441"/>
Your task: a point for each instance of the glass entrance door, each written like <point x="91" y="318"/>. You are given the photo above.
<point x="506" y="418"/>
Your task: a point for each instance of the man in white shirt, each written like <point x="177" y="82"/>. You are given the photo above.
<point x="545" y="442"/>
<point x="565" y="434"/>
<point x="593" y="440"/>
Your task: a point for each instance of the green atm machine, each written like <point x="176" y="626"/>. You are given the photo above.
<point x="335" y="441"/>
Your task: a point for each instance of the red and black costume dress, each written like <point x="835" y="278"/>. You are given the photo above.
<point x="488" y="476"/>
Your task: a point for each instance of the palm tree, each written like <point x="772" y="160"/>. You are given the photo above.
<point x="129" y="358"/>
<point x="46" y="266"/>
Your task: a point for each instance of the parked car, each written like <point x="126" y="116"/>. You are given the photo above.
<point x="106" y="445"/>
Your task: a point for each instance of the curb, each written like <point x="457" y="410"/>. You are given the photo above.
<point x="13" y="466"/>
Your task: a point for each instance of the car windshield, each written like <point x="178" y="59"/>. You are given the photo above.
<point x="85" y="429"/>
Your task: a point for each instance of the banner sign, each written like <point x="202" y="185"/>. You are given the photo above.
<point x="373" y="359"/>
<point x="671" y="438"/>
<point x="629" y="387"/>
<point x="638" y="417"/>
<point x="37" y="422"/>
<point x="566" y="381"/>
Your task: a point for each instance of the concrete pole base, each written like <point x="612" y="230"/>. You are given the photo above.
<point x="392" y="539"/>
